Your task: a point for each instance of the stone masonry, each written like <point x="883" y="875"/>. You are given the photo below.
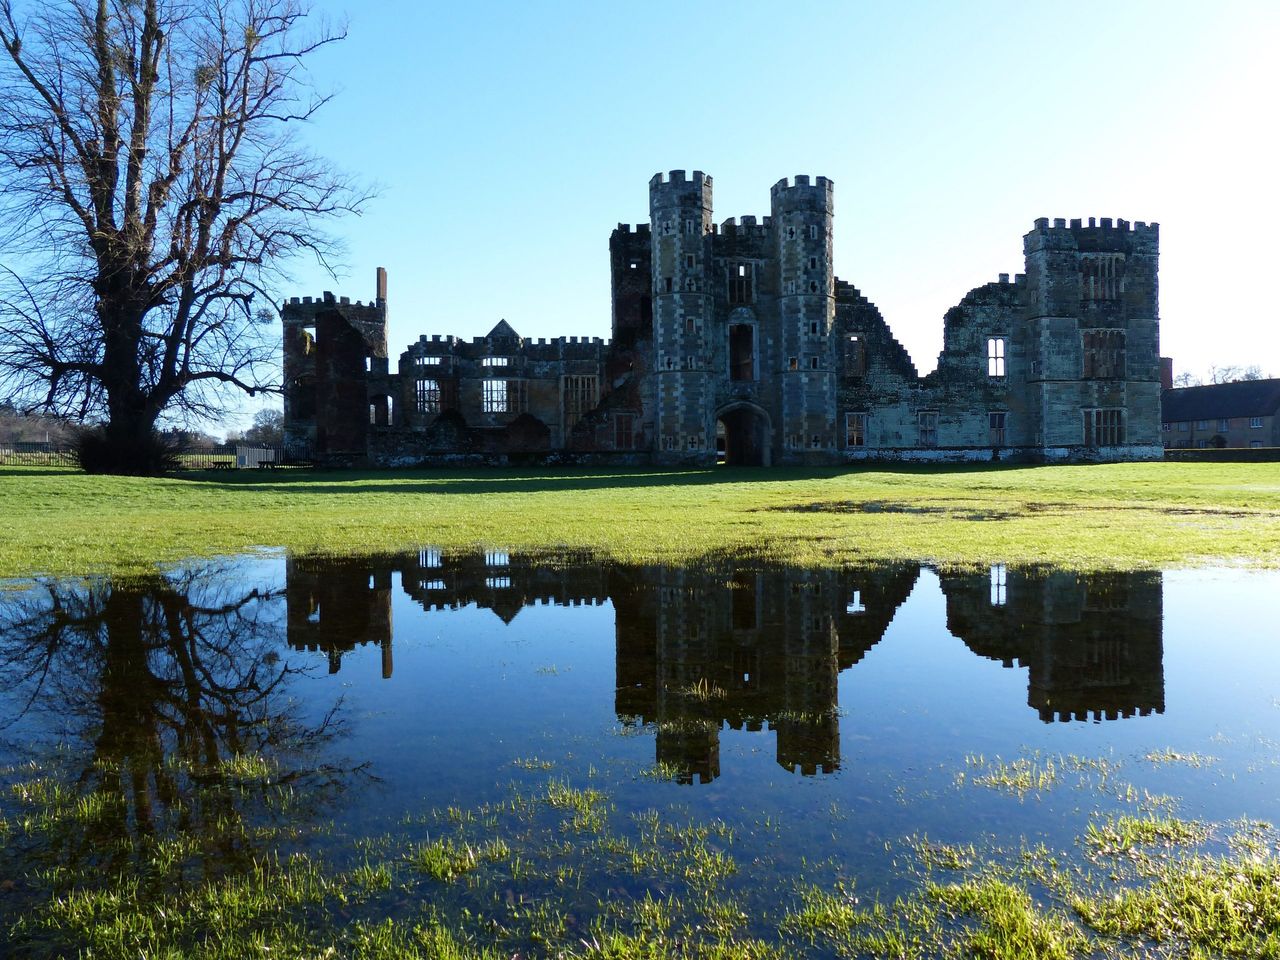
<point x="735" y="342"/>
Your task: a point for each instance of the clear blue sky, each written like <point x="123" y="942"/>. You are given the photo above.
<point x="510" y="138"/>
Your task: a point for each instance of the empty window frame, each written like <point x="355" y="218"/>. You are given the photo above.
<point x="742" y="351"/>
<point x="1103" y="427"/>
<point x="855" y="356"/>
<point x="624" y="437"/>
<point x="579" y="395"/>
<point x="995" y="356"/>
<point x="495" y="396"/>
<point x="855" y="604"/>
<point x="928" y="423"/>
<point x="495" y="361"/>
<point x="995" y="427"/>
<point x="427" y="396"/>
<point x="1101" y="276"/>
<point x="1103" y="355"/>
<point x="855" y="429"/>
<point x="814" y="363"/>
<point x="1255" y="423"/>
<point x="740" y="284"/>
<point x="430" y="557"/>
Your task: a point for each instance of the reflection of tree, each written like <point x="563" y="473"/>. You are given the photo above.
<point x="175" y="702"/>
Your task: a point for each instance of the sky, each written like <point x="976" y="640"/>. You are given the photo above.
<point x="506" y="141"/>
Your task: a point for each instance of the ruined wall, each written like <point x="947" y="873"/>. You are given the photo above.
<point x="335" y="365"/>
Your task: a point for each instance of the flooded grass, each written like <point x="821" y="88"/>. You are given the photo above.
<point x="541" y="894"/>
<point x="1087" y="517"/>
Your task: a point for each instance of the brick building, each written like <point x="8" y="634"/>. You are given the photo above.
<point x="735" y="341"/>
<point x="1240" y="414"/>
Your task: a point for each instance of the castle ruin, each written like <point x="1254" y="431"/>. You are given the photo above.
<point x="737" y="343"/>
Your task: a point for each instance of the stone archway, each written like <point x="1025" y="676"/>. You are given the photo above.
<point x="747" y="435"/>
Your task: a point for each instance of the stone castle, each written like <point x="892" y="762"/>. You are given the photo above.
<point x="736" y="343"/>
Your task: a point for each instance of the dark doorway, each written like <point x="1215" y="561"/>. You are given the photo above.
<point x="745" y="431"/>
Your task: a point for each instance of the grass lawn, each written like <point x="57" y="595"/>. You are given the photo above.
<point x="60" y="521"/>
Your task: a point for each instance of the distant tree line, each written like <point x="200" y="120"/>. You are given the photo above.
<point x="1229" y="373"/>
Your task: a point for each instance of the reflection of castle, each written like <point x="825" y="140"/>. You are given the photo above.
<point x="1092" y="644"/>
<point x="336" y="605"/>
<point x="699" y="648"/>
<point x="702" y="647"/>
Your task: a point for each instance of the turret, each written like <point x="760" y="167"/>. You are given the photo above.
<point x="680" y="212"/>
<point x="802" y="212"/>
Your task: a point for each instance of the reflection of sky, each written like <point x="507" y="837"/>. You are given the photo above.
<point x="470" y="695"/>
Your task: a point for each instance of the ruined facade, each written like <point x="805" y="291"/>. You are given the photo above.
<point x="736" y="342"/>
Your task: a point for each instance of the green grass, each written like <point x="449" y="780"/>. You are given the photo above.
<point x="1117" y="515"/>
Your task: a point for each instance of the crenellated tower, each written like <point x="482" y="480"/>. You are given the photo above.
<point x="680" y="212"/>
<point x="805" y="352"/>
<point x="1092" y="337"/>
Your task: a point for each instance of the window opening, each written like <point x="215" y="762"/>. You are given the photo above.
<point x="740" y="291"/>
<point x="624" y="431"/>
<point x="1103" y="427"/>
<point x="928" y="420"/>
<point x="579" y="396"/>
<point x="855" y="604"/>
<point x="428" y="396"/>
<point x="855" y="429"/>
<point x="495" y="396"/>
<point x="995" y="424"/>
<point x="855" y="356"/>
<point x="1104" y="354"/>
<point x="742" y="347"/>
<point x="995" y="356"/>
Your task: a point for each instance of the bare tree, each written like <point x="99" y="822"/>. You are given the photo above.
<point x="153" y="186"/>
<point x="1227" y="373"/>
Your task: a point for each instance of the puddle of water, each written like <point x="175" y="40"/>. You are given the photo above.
<point x="816" y="717"/>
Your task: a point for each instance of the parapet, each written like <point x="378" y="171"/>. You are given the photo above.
<point x="803" y="193"/>
<point x="679" y="188"/>
<point x="679" y="177"/>
<point x="642" y="229"/>
<point x="747" y="226"/>
<point x="1098" y="234"/>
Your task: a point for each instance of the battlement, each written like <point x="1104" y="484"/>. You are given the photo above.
<point x="1098" y="224"/>
<point x="743" y="226"/>
<point x="678" y="177"/>
<point x="641" y="230"/>
<point x="304" y="309"/>
<point x="802" y="180"/>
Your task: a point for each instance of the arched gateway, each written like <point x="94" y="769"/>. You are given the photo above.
<point x="746" y="433"/>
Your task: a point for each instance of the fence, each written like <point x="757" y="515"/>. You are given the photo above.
<point x="226" y="456"/>
<point x="37" y="453"/>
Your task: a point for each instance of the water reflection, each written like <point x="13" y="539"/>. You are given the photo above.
<point x="165" y="702"/>
<point x="725" y="644"/>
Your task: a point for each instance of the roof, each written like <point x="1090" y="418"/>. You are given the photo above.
<point x="1244" y="398"/>
<point x="502" y="330"/>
